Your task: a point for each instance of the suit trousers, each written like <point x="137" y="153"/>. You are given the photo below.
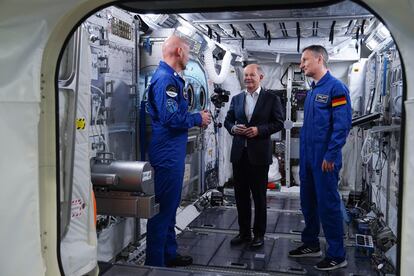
<point x="250" y="179"/>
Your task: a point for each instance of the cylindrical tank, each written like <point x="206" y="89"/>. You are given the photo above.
<point x="128" y="176"/>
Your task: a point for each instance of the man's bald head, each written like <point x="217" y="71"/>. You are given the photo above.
<point x="175" y="52"/>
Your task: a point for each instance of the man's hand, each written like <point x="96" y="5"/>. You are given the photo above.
<point x="205" y="118"/>
<point x="239" y="129"/>
<point x="327" y="166"/>
<point x="251" y="132"/>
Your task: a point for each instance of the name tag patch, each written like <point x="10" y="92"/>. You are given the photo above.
<point x="322" y="98"/>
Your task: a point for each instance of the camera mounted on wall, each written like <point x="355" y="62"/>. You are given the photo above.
<point x="219" y="97"/>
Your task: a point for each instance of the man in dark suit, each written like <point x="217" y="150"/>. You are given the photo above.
<point x="254" y="115"/>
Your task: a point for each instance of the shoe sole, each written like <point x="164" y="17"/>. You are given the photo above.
<point x="307" y="255"/>
<point x="343" y="264"/>
<point x="179" y="264"/>
<point x="239" y="243"/>
<point x="256" y="245"/>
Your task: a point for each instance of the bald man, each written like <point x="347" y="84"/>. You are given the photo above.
<point x="253" y="116"/>
<point x="168" y="108"/>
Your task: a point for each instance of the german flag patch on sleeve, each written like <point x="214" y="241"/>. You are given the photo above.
<point x="338" y="100"/>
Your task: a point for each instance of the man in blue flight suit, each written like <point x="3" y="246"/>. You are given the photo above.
<point x="168" y="108"/>
<point x="326" y="125"/>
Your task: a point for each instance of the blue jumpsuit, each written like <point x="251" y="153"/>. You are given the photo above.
<point x="168" y="108"/>
<point x="326" y="125"/>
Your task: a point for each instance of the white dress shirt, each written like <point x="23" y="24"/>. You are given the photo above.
<point x="250" y="103"/>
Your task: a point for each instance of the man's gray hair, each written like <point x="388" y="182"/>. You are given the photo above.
<point x="318" y="50"/>
<point x="260" y="70"/>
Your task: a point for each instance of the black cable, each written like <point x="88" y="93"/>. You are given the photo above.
<point x="349" y="26"/>
<point x="314" y="28"/>
<point x="242" y="41"/>
<point x="269" y="38"/>
<point x="234" y="30"/>
<point x="283" y="29"/>
<point x="317" y="27"/>
<point x="218" y="37"/>
<point x="253" y="30"/>
<point x="332" y="32"/>
<point x="209" y="31"/>
<point x="284" y="74"/>
<point x="298" y="35"/>
<point x="362" y="26"/>
<point x="357" y="33"/>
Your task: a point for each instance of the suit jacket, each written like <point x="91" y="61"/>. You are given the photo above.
<point x="267" y="117"/>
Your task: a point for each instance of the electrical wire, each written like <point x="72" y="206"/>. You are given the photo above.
<point x="284" y="74"/>
<point x="381" y="161"/>
<point x="98" y="89"/>
<point x="366" y="150"/>
<point x="95" y="131"/>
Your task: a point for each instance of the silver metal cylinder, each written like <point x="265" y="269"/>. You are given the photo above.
<point x="129" y="176"/>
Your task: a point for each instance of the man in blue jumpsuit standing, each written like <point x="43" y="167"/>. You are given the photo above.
<point x="326" y="125"/>
<point x="168" y="108"/>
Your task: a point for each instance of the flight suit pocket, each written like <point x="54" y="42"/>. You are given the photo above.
<point x="322" y="117"/>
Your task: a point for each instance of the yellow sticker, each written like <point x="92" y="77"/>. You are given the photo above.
<point x="80" y="123"/>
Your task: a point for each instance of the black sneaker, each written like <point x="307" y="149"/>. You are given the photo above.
<point x="305" y="251"/>
<point x="180" y="260"/>
<point x="240" y="239"/>
<point x="330" y="264"/>
<point x="257" y="242"/>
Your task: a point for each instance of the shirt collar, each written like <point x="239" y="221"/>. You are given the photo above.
<point x="170" y="70"/>
<point x="257" y="91"/>
<point x="322" y="80"/>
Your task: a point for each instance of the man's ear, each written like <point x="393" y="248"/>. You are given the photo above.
<point x="320" y="59"/>
<point x="261" y="76"/>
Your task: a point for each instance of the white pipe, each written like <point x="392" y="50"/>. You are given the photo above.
<point x="209" y="62"/>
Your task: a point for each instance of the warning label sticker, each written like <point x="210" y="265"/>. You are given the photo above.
<point x="78" y="207"/>
<point x="80" y="123"/>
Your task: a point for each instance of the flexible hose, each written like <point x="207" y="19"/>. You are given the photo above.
<point x="209" y="63"/>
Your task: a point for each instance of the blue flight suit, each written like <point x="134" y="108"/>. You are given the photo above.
<point x="326" y="125"/>
<point x="168" y="108"/>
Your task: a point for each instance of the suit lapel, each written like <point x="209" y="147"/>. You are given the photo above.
<point x="259" y="103"/>
<point x="243" y="100"/>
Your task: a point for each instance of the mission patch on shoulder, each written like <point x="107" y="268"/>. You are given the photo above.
<point x="171" y="91"/>
<point x="338" y="100"/>
<point x="172" y="105"/>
